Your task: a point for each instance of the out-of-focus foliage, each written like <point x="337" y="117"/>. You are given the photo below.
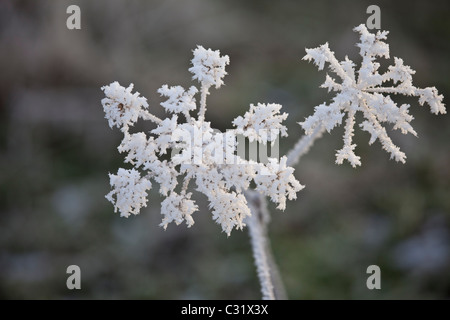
<point x="56" y="149"/>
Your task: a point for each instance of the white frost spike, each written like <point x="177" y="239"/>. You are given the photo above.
<point x="319" y="55"/>
<point x="204" y="153"/>
<point x="433" y="98"/>
<point x="400" y="72"/>
<point x="370" y="44"/>
<point x="347" y="152"/>
<point x="366" y="94"/>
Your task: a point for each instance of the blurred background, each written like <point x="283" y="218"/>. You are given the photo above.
<point x="56" y="150"/>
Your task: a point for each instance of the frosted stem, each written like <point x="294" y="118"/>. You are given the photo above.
<point x="393" y="90"/>
<point x="185" y="185"/>
<point x="268" y="274"/>
<point x="145" y="115"/>
<point x="258" y="242"/>
<point x="303" y="145"/>
<point x="188" y="116"/>
<point x="204" y="91"/>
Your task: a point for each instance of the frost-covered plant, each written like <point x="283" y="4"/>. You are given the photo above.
<point x="363" y="91"/>
<point x="206" y="156"/>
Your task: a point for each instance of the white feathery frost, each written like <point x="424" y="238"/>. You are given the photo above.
<point x="123" y="108"/>
<point x="276" y="179"/>
<point x="198" y="153"/>
<point x="179" y="99"/>
<point x="363" y="91"/>
<point x="178" y="208"/>
<point x="129" y="192"/>
<point x="259" y="121"/>
<point x="208" y="67"/>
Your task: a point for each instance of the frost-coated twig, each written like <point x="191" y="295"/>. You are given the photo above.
<point x="303" y="145"/>
<point x="268" y="272"/>
<point x="203" y="93"/>
<point x="272" y="286"/>
<point x="258" y="241"/>
<point x="151" y="117"/>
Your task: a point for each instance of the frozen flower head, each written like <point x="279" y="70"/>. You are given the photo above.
<point x="199" y="155"/>
<point x="208" y="67"/>
<point x="362" y="91"/>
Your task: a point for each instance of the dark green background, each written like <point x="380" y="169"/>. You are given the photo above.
<point x="56" y="150"/>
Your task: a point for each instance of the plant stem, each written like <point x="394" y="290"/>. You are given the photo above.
<point x="204" y="91"/>
<point x="269" y="277"/>
<point x="268" y="273"/>
<point x="303" y="145"/>
<point x="148" y="116"/>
